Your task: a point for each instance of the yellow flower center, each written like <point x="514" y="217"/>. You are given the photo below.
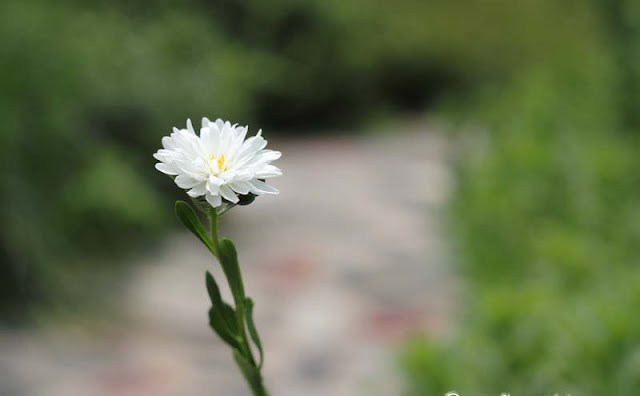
<point x="220" y="161"/>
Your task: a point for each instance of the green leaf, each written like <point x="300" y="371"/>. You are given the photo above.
<point x="229" y="262"/>
<point x="230" y="317"/>
<point x="214" y="291"/>
<point x="252" y="328"/>
<point x="219" y="325"/>
<point x="188" y="217"/>
<point x="225" y="310"/>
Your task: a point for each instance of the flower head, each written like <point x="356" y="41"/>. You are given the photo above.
<point x="219" y="163"/>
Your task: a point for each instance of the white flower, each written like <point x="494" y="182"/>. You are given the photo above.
<point x="219" y="163"/>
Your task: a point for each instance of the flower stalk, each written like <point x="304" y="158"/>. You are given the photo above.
<point x="220" y="169"/>
<point x="234" y="325"/>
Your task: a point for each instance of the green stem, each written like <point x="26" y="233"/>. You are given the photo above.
<point x="258" y="388"/>
<point x="213" y="228"/>
<point x="256" y="384"/>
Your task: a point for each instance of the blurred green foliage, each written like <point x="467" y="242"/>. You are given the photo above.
<point x="547" y="223"/>
<point x="86" y="93"/>
<point x="88" y="88"/>
<point x="546" y="213"/>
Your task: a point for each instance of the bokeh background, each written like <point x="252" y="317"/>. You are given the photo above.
<point x="460" y="207"/>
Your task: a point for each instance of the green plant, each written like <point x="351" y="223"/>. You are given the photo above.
<point x="546" y="218"/>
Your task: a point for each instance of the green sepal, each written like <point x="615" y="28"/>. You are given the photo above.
<point x="188" y="217"/>
<point x="201" y="204"/>
<point x="246" y="199"/>
<point x="227" y="313"/>
<point x="249" y="371"/>
<point x="229" y="261"/>
<point x="252" y="328"/>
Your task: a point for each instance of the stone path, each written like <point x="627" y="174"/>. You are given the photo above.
<point x="342" y="265"/>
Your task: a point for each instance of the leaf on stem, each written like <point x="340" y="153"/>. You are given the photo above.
<point x="188" y="217"/>
<point x="219" y="325"/>
<point x="227" y="313"/>
<point x="252" y="328"/>
<point x="229" y="261"/>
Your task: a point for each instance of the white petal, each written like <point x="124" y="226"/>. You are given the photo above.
<point x="213" y="184"/>
<point x="269" y="155"/>
<point x="186" y="167"/>
<point x="166" y="169"/>
<point x="239" y="135"/>
<point x="237" y="175"/>
<point x="166" y="156"/>
<point x="167" y="143"/>
<point x="268" y="171"/>
<point x="190" y="126"/>
<point x="259" y="188"/>
<point x="198" y="191"/>
<point x="201" y="168"/>
<point x="241" y="187"/>
<point x="211" y="140"/>
<point x="264" y="157"/>
<point x="243" y="175"/>
<point x="228" y="194"/>
<point x="186" y="181"/>
<point x="253" y="145"/>
<point x="225" y="133"/>
<point x="205" y="138"/>
<point x="187" y="143"/>
<point x="250" y="147"/>
<point x="214" y="200"/>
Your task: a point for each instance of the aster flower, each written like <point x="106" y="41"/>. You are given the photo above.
<point x="223" y="167"/>
<point x="219" y="163"/>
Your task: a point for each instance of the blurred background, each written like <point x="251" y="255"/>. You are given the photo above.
<point x="459" y="209"/>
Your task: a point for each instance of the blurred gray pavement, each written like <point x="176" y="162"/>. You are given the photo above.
<point x="343" y="264"/>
